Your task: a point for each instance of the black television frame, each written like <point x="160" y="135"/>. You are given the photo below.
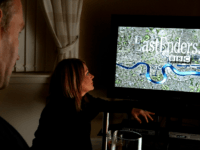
<point x="147" y="21"/>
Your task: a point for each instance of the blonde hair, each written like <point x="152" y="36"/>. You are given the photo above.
<point x="66" y="80"/>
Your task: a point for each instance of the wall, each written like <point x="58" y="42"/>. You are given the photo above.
<point x="22" y="103"/>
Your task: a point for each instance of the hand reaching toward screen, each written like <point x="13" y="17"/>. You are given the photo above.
<point x="139" y="112"/>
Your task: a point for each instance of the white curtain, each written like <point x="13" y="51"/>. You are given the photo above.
<point x="63" y="19"/>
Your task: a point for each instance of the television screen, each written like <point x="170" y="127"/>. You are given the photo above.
<point x="154" y="55"/>
<point x="158" y="58"/>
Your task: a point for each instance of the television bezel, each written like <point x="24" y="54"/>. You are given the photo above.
<point x="146" y="21"/>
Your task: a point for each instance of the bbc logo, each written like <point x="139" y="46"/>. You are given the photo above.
<point x="185" y="59"/>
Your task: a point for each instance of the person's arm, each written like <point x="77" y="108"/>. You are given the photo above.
<point x="122" y="106"/>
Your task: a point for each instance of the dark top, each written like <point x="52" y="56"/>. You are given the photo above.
<point x="10" y="138"/>
<point x="61" y="127"/>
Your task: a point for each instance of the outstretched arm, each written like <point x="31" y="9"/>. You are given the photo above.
<point x="122" y="106"/>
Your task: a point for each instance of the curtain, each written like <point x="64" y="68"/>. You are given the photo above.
<point x="63" y="19"/>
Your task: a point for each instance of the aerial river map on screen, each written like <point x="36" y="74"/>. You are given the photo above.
<point x="158" y="58"/>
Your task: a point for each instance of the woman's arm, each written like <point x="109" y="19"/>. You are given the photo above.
<point x="123" y="106"/>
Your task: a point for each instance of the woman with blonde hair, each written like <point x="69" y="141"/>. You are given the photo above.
<point x="65" y="122"/>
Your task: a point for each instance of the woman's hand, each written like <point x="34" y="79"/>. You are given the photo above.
<point x="137" y="112"/>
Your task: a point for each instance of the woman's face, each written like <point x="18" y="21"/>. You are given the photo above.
<point x="87" y="84"/>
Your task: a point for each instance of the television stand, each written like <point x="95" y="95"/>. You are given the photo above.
<point x="169" y="137"/>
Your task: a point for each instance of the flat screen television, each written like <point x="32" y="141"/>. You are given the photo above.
<point x="154" y="58"/>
